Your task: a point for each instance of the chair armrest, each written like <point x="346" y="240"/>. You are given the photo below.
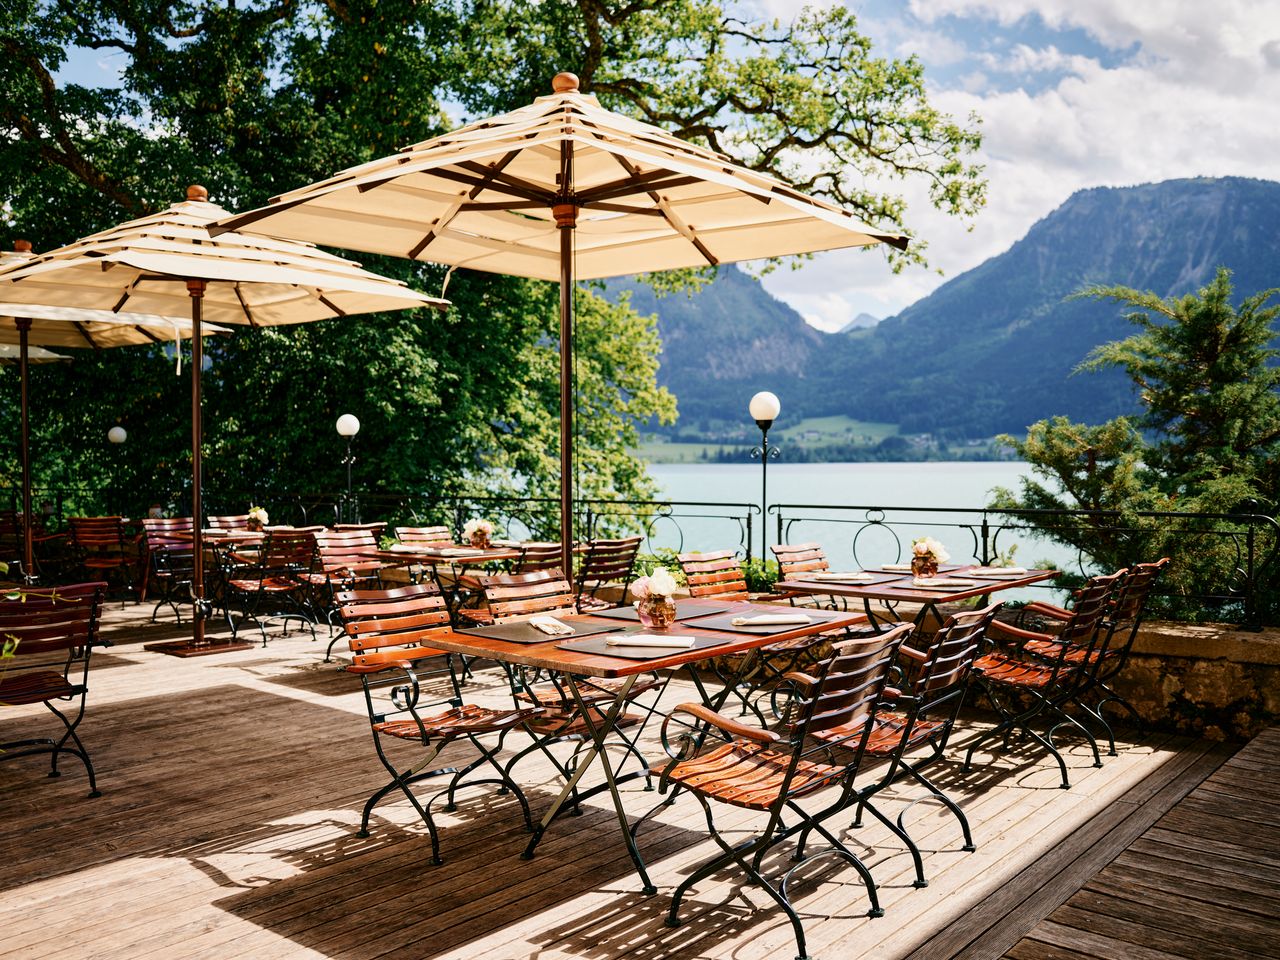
<point x="795" y="676"/>
<point x="1016" y="634"/>
<point x="729" y="726"/>
<point x="1047" y="610"/>
<point x="919" y="656"/>
<point x="378" y="667"/>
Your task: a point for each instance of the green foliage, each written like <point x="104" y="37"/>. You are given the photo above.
<point x="661" y="557"/>
<point x="761" y="574"/>
<point x="260" y="96"/>
<point x="1213" y="415"/>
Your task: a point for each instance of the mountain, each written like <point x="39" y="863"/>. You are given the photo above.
<point x="723" y="343"/>
<point x="991" y="350"/>
<point x="859" y="322"/>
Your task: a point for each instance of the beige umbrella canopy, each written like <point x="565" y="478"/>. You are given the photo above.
<point x="168" y="264"/>
<point x="11" y="355"/>
<point x="65" y="327"/>
<point x="558" y="188"/>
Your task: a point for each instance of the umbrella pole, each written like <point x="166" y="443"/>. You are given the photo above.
<point x="195" y="288"/>
<point x="28" y="551"/>
<point x="566" y="215"/>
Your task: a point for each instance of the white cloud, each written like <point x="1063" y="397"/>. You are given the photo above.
<point x="1197" y="96"/>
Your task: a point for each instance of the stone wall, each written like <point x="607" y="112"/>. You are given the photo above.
<point x="1210" y="680"/>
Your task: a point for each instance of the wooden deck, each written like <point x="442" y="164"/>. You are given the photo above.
<point x="1201" y="883"/>
<point x="233" y="785"/>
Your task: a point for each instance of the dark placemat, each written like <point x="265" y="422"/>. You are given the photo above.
<point x="599" y="645"/>
<point x="876" y="578"/>
<point x="520" y="631"/>
<point x="684" y="611"/>
<point x="725" y="622"/>
<point x="940" y="588"/>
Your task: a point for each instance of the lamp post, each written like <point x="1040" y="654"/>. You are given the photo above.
<point x="348" y="426"/>
<point x="764" y="408"/>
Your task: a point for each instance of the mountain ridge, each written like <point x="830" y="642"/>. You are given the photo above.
<point x="992" y="349"/>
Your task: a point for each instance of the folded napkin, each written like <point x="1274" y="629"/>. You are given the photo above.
<point x="831" y="575"/>
<point x="457" y="551"/>
<point x="651" y="640"/>
<point x="896" y="567"/>
<point x="769" y="619"/>
<point x="942" y="583"/>
<point x="405" y="548"/>
<point x="996" y="572"/>
<point x="550" y="626"/>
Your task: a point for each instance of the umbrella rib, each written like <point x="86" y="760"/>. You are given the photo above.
<point x="623" y="189"/>
<point x="677" y="224"/>
<point x="338" y="311"/>
<point x="245" y="307"/>
<point x="148" y="334"/>
<point x="448" y="215"/>
<point x="84" y="332"/>
<point x="636" y="180"/>
<point x="533" y="191"/>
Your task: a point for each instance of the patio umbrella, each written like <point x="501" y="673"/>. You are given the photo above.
<point x="11" y="355"/>
<point x="560" y="189"/>
<point x="167" y="264"/>
<point x="66" y="327"/>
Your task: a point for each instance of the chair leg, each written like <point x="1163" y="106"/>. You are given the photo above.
<point x="950" y="804"/>
<point x="916" y="860"/>
<point x="78" y="750"/>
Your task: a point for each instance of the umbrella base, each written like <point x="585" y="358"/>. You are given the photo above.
<point x="192" y="648"/>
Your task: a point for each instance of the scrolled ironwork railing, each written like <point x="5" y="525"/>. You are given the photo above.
<point x="1223" y="562"/>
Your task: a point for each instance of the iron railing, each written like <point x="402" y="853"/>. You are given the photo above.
<point x="1241" y="582"/>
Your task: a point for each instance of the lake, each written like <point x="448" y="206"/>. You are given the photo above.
<point x="946" y="486"/>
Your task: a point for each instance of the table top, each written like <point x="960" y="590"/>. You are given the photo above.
<point x="901" y="587"/>
<point x="550" y="657"/>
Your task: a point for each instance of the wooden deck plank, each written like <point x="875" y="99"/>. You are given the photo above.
<point x="1199" y="884"/>
<point x="232" y="790"/>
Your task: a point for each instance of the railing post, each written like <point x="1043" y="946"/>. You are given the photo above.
<point x="766" y="527"/>
<point x="749" y="537"/>
<point x="1252" y="615"/>
<point x="987" y="556"/>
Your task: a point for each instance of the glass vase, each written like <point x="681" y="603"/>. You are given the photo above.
<point x="924" y="567"/>
<point x="480" y="540"/>
<point x="656" y="613"/>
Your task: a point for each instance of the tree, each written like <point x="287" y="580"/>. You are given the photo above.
<point x="255" y="97"/>
<point x="1206" y="380"/>
<point x="1208" y="390"/>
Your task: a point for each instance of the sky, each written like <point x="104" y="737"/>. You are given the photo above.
<point x="1072" y="94"/>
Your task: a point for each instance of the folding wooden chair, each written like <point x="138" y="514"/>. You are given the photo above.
<point x="51" y="631"/>
<point x="102" y="547"/>
<point x="170" y="562"/>
<point x="920" y="712"/>
<point x="606" y="562"/>
<point x="1024" y="687"/>
<point x="389" y="632"/>
<point x="723" y="761"/>
<point x="274" y="588"/>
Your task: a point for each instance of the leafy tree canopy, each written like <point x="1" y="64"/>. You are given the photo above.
<point x="255" y="97"/>
<point x="1211" y="411"/>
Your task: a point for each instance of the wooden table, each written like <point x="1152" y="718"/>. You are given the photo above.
<point x="895" y="586"/>
<point x="580" y="668"/>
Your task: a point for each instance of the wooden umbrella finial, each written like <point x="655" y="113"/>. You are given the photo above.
<point x="22" y="246"/>
<point x="197" y="192"/>
<point x="565" y="83"/>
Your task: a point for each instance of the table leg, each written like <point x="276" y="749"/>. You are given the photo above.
<point x="597" y="735"/>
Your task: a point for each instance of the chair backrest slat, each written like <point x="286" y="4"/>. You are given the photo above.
<point x="424" y="535"/>
<point x="53" y="618"/>
<point x="517" y="594"/>
<point x="535" y="557"/>
<point x="797" y="558"/>
<point x="239" y="521"/>
<point x="953" y="650"/>
<point x="716" y="574"/>
<point x="850" y="684"/>
<point x="392" y="624"/>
